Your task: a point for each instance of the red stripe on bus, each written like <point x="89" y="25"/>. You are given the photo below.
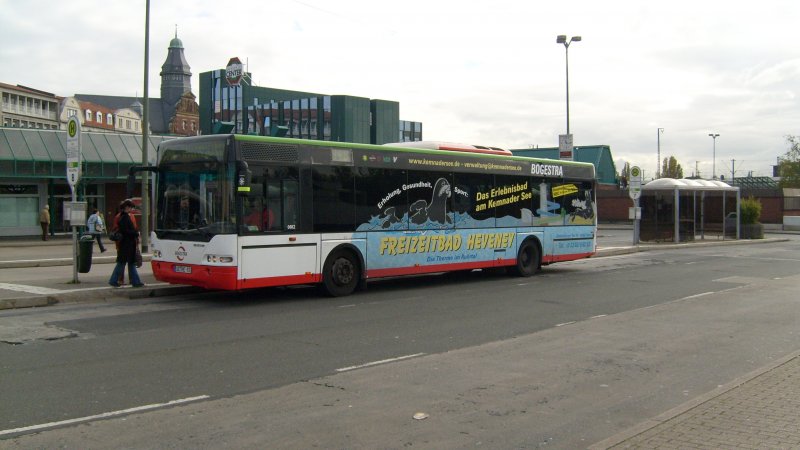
<point x="561" y="258"/>
<point x="279" y="281"/>
<point x="213" y="277"/>
<point x="208" y="277"/>
<point x="432" y="268"/>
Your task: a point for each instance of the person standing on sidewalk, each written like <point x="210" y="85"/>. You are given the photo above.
<point x="96" y="227"/>
<point x="126" y="253"/>
<point x="44" y="220"/>
<point x="115" y="221"/>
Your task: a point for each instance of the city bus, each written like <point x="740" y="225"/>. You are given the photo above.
<point x="236" y="212"/>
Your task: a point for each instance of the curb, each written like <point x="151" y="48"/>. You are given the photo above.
<point x="649" y="424"/>
<point x="613" y="251"/>
<point x="99" y="295"/>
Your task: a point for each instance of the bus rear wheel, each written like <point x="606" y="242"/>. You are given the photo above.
<point x="527" y="259"/>
<point x="341" y="273"/>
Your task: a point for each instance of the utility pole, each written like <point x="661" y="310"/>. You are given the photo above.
<point x="145" y="225"/>
<point x="696" y="169"/>
<point x="733" y="170"/>
<point x="658" y="139"/>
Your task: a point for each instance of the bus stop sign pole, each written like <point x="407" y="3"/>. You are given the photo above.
<point x="635" y="191"/>
<point x="74" y="154"/>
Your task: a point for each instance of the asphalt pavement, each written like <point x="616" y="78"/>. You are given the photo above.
<point x="37" y="273"/>
<point x="759" y="410"/>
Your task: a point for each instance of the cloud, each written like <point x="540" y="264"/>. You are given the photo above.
<point x="488" y="73"/>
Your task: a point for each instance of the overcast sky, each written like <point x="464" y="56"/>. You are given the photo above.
<point x="487" y="73"/>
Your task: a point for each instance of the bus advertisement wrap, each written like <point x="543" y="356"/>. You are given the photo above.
<point x="239" y="212"/>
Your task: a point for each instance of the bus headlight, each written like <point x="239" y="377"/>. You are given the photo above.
<point x="219" y="259"/>
<point x="156" y="253"/>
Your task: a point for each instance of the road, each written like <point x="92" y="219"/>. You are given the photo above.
<point x="563" y="359"/>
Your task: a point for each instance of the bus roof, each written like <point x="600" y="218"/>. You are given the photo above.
<point x="437" y="145"/>
<point x="388" y="147"/>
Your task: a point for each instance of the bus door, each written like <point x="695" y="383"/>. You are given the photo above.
<point x="274" y="249"/>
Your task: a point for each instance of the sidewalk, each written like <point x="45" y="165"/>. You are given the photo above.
<point x="37" y="273"/>
<point x="758" y="410"/>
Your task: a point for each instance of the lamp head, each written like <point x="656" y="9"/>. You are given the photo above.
<point x="575" y="39"/>
<point x="561" y="39"/>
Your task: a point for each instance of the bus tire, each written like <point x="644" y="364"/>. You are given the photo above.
<point x="528" y="259"/>
<point x="341" y="273"/>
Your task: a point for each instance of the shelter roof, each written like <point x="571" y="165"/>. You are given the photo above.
<point x="684" y="184"/>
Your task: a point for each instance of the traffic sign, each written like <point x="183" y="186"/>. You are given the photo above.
<point x="74" y="151"/>
<point x="635" y="183"/>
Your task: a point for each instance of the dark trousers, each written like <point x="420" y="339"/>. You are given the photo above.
<point x="97" y="237"/>
<point x="44" y="225"/>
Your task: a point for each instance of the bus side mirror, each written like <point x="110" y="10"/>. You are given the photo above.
<point x="243" y="177"/>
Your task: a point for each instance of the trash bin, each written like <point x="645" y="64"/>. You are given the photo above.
<point x="85" y="246"/>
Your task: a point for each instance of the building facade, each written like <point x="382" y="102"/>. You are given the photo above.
<point x="24" y="107"/>
<point x="33" y="147"/>
<point x="175" y="113"/>
<point x="269" y="111"/>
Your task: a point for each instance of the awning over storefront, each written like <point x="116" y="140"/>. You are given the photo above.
<point x="32" y="153"/>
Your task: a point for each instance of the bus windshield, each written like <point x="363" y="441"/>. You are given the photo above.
<point x="194" y="193"/>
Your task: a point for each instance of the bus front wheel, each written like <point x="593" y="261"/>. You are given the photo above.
<point x="527" y="259"/>
<point x="341" y="273"/>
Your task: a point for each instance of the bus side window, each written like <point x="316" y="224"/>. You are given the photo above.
<point x="273" y="206"/>
<point x="290" y="205"/>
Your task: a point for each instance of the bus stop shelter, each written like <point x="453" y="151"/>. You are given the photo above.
<point x="683" y="210"/>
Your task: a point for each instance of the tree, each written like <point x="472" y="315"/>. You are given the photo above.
<point x="625" y="175"/>
<point x="789" y="168"/>
<point x="671" y="168"/>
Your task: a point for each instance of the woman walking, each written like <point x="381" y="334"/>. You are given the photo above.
<point x="126" y="252"/>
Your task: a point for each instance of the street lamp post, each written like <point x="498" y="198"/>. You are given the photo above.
<point x="145" y="225"/>
<point x="658" y="140"/>
<point x="562" y="39"/>
<point x="714" y="136"/>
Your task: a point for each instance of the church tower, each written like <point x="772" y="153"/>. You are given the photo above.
<point x="176" y="78"/>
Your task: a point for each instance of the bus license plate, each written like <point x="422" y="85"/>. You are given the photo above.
<point x="183" y="269"/>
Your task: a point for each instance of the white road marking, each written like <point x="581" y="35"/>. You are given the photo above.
<point x="565" y="323"/>
<point x="698" y="295"/>
<point x="103" y="415"/>
<point x="383" y="361"/>
<point x="598" y="316"/>
<point x="30" y="289"/>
